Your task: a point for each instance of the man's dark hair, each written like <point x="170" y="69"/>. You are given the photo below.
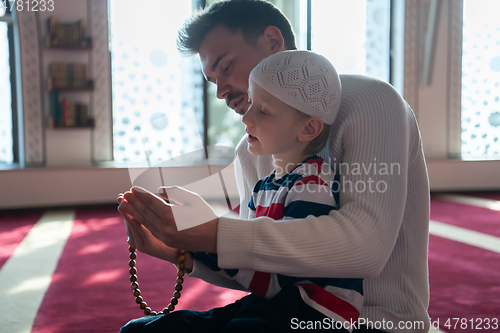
<point x="249" y="17"/>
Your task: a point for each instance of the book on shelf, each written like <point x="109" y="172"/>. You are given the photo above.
<point x="65" y="112"/>
<point x="68" y="76"/>
<point x="67" y="34"/>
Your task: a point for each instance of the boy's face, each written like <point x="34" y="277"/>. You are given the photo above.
<point x="227" y="60"/>
<point x="272" y="126"/>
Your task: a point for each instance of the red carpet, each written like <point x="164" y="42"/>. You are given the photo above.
<point x="474" y="218"/>
<point x="90" y="291"/>
<point x="14" y="226"/>
<point x="464" y="280"/>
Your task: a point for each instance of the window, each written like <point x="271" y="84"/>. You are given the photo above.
<point x="456" y="96"/>
<point x="353" y="35"/>
<point x="365" y="50"/>
<point x="481" y="80"/>
<point x="151" y="80"/>
<point x="6" y="88"/>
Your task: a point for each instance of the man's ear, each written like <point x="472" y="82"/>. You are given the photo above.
<point x="312" y="128"/>
<point x="273" y="40"/>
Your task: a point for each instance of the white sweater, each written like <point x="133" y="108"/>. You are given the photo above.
<point x="380" y="233"/>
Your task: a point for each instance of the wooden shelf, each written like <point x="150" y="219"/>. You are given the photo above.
<point x="66" y="89"/>
<point x="52" y="87"/>
<point x="90" y="125"/>
<point x="71" y="127"/>
<point x="85" y="45"/>
<point x="69" y="47"/>
<point x="67" y="76"/>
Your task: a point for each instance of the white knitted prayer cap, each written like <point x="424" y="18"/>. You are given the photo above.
<point x="304" y="80"/>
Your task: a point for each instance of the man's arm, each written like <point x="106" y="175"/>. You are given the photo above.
<point x="371" y="130"/>
<point x="311" y="195"/>
<point x="371" y="135"/>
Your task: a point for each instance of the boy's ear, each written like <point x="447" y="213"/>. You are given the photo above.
<point x="312" y="128"/>
<point x="273" y="39"/>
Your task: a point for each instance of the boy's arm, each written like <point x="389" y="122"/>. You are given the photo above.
<point x="207" y="274"/>
<point x="205" y="265"/>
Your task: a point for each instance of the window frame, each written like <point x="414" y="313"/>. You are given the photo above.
<point x="303" y="26"/>
<point x="437" y="106"/>
<point x="9" y="18"/>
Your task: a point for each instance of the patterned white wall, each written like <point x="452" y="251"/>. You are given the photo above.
<point x="32" y="73"/>
<point x="455" y="79"/>
<point x="31" y="87"/>
<point x="100" y="71"/>
<point x="412" y="53"/>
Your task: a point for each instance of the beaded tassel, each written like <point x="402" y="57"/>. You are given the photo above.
<point x="137" y="292"/>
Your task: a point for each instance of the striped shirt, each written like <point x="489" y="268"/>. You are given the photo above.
<point x="309" y="189"/>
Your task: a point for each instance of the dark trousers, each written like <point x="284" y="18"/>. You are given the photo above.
<point x="286" y="312"/>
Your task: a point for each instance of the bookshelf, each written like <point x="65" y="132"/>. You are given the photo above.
<point x="67" y="35"/>
<point x="41" y="145"/>
<point x="65" y="79"/>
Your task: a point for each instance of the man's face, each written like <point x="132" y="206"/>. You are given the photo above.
<point x="227" y="60"/>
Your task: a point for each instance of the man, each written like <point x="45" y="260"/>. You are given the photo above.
<point x="380" y="232"/>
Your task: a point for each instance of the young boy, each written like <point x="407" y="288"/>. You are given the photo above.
<point x="294" y="97"/>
